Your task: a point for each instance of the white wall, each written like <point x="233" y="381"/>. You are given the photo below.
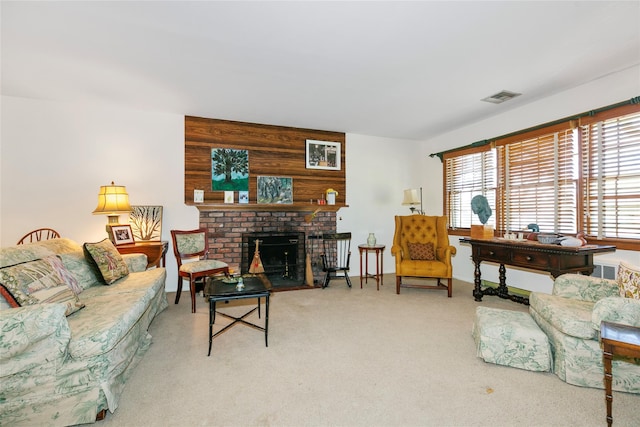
<point x="609" y="90"/>
<point x="56" y="156"/>
<point x="378" y="172"/>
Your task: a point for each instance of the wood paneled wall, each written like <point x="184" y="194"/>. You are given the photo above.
<point x="273" y="151"/>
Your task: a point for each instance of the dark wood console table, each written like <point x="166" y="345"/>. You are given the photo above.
<point x="529" y="254"/>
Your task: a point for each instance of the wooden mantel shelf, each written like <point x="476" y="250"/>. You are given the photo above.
<point x="254" y="207"/>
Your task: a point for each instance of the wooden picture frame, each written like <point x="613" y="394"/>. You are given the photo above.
<point x="323" y="155"/>
<point x="122" y="234"/>
<point x="146" y="223"/>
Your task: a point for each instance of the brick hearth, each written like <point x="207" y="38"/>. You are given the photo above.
<point x="226" y="228"/>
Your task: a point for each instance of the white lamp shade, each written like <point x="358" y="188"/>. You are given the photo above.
<point x="411" y="197"/>
<point x="112" y="200"/>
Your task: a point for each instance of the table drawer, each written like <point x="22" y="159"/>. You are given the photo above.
<point x="496" y="254"/>
<point x="531" y="259"/>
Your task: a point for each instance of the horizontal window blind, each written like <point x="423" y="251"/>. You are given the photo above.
<point x="538" y="182"/>
<point x="611" y="174"/>
<point x="467" y="176"/>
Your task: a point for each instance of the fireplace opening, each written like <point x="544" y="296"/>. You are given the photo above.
<point x="282" y="255"/>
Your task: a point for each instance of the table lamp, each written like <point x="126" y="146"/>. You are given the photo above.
<point x="411" y="198"/>
<point x="113" y="201"/>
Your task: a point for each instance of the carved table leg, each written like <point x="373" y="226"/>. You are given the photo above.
<point x="503" y="291"/>
<point x="477" y="292"/>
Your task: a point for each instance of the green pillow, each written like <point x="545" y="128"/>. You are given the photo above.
<point x="108" y="260"/>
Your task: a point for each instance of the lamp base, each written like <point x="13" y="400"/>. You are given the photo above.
<point x="113" y="221"/>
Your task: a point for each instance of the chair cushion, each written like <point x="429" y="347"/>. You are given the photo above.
<point x="569" y="316"/>
<point x="628" y="281"/>
<point x="108" y="260"/>
<point x="202" y="265"/>
<point x="421" y="251"/>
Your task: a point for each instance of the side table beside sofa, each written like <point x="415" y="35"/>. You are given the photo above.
<point x="61" y="368"/>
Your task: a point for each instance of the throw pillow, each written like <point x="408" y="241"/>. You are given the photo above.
<point x="108" y="260"/>
<point x="421" y="251"/>
<point x="629" y="281"/>
<point x="37" y="282"/>
<point x="65" y="275"/>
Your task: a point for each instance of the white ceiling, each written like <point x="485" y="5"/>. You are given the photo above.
<point x="394" y="69"/>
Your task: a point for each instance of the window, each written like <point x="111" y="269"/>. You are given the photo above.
<point x="578" y="174"/>
<point x="611" y="177"/>
<point x="467" y="176"/>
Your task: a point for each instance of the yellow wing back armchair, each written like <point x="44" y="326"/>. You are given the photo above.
<point x="421" y="248"/>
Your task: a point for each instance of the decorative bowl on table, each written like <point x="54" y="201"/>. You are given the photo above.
<point x="548" y="238"/>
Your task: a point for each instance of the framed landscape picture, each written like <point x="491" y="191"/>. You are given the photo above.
<point x="323" y="155"/>
<point x="275" y="189"/>
<point x="146" y="223"/>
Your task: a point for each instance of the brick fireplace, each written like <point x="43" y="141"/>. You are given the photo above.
<point x="226" y="229"/>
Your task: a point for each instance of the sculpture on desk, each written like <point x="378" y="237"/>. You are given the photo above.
<point x="480" y="207"/>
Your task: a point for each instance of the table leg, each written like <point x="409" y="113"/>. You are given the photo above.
<point x="381" y="267"/>
<point x="477" y="292"/>
<point x="606" y="359"/>
<point x="212" y="319"/>
<point x="377" y="271"/>
<point x="266" y="321"/>
<point x="366" y="266"/>
<point x="361" y="268"/>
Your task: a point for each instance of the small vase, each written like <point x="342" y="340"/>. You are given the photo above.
<point x="371" y="240"/>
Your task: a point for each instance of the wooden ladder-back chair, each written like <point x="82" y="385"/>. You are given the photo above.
<point x="38" y="235"/>
<point x="192" y="244"/>
<point x="421" y="248"/>
<point x="336" y="256"/>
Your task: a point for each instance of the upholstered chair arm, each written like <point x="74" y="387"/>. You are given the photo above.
<point x="584" y="288"/>
<point x="444" y="253"/>
<point x="617" y="310"/>
<point x="396" y="251"/>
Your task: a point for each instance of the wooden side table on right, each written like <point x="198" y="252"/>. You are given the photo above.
<point x="618" y="340"/>
<point x="379" y="253"/>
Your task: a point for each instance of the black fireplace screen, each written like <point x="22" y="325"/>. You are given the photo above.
<point x="282" y="255"/>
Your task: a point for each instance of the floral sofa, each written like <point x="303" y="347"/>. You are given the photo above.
<point x="571" y="318"/>
<point x="65" y="356"/>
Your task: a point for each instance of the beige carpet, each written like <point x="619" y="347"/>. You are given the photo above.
<point x="347" y="357"/>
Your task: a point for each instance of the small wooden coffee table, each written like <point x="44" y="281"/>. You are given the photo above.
<point x="619" y="340"/>
<point x="217" y="290"/>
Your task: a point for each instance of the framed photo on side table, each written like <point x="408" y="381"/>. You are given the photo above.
<point x="122" y="234"/>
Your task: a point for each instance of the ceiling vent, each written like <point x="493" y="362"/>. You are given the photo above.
<point x="500" y="97"/>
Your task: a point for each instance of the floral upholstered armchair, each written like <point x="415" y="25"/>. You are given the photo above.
<point x="421" y="248"/>
<point x="571" y="318"/>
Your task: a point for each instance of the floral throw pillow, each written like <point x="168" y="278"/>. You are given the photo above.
<point x="421" y="251"/>
<point x="37" y="282"/>
<point x="629" y="281"/>
<point x="108" y="260"/>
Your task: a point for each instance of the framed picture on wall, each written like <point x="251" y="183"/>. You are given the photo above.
<point x="323" y="155"/>
<point x="275" y="189"/>
<point x="122" y="234"/>
<point x="146" y="223"/>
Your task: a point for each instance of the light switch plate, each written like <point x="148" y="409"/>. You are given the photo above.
<point x="198" y="196"/>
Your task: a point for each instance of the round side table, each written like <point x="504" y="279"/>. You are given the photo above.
<point x="378" y="250"/>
